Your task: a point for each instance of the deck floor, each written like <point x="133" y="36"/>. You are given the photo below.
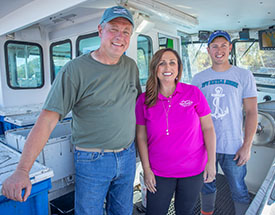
<point x="224" y="203"/>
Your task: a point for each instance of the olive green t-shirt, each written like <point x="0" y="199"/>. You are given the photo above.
<point x="102" y="100"/>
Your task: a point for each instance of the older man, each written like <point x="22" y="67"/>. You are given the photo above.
<point x="100" y="88"/>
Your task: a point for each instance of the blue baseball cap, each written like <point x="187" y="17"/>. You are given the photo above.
<point x="115" y="12"/>
<point x="219" y="34"/>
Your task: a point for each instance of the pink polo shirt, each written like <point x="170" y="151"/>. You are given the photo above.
<point x="182" y="153"/>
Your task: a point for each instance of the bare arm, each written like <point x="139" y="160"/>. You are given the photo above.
<point x="149" y="177"/>
<point x="250" y="108"/>
<point x="210" y="144"/>
<point x="38" y="137"/>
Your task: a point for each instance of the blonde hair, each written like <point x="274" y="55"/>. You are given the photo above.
<point x="152" y="85"/>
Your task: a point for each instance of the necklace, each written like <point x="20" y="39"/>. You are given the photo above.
<point x="166" y="115"/>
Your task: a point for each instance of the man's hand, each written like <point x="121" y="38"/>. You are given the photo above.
<point x="13" y="185"/>
<point x="242" y="155"/>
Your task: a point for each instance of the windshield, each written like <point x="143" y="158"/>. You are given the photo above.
<point x="260" y="62"/>
<point x="195" y="59"/>
<point x="246" y="54"/>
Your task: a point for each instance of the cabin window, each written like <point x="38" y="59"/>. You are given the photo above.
<point x="260" y="62"/>
<point x="60" y="54"/>
<point x="165" y="42"/>
<point x="87" y="43"/>
<point x="24" y="65"/>
<point x="195" y="59"/>
<point x="144" y="55"/>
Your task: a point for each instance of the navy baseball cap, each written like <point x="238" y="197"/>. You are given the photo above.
<point x="219" y="34"/>
<point x="115" y="12"/>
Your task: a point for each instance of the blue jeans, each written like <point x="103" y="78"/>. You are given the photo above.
<point x="235" y="177"/>
<point x="104" y="175"/>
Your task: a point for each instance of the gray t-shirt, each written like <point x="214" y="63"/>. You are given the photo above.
<point x="102" y="99"/>
<point x="225" y="92"/>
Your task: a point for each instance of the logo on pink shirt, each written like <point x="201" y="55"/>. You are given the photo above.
<point x="186" y="103"/>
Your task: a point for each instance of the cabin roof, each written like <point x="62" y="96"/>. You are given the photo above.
<point x="210" y="15"/>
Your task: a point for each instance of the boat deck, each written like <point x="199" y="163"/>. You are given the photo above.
<point x="224" y="203"/>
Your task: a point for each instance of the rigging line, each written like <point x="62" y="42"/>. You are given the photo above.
<point x="247" y="50"/>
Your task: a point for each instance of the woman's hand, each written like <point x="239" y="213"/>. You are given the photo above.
<point x="209" y="172"/>
<point x="150" y="180"/>
<point x="209" y="137"/>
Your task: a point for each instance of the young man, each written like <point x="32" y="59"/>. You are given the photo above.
<point x="100" y="88"/>
<point x="228" y="90"/>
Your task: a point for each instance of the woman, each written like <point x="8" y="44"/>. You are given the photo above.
<point x="175" y="136"/>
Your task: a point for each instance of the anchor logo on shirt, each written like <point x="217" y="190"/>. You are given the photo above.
<point x="219" y="113"/>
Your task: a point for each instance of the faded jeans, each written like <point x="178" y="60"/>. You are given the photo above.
<point x="104" y="175"/>
<point x="235" y="176"/>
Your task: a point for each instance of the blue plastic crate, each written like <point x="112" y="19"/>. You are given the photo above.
<point x="2" y="131"/>
<point x="40" y="176"/>
<point x="36" y="204"/>
<point x="9" y="126"/>
<point x="22" y="120"/>
<point x="4" y="126"/>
